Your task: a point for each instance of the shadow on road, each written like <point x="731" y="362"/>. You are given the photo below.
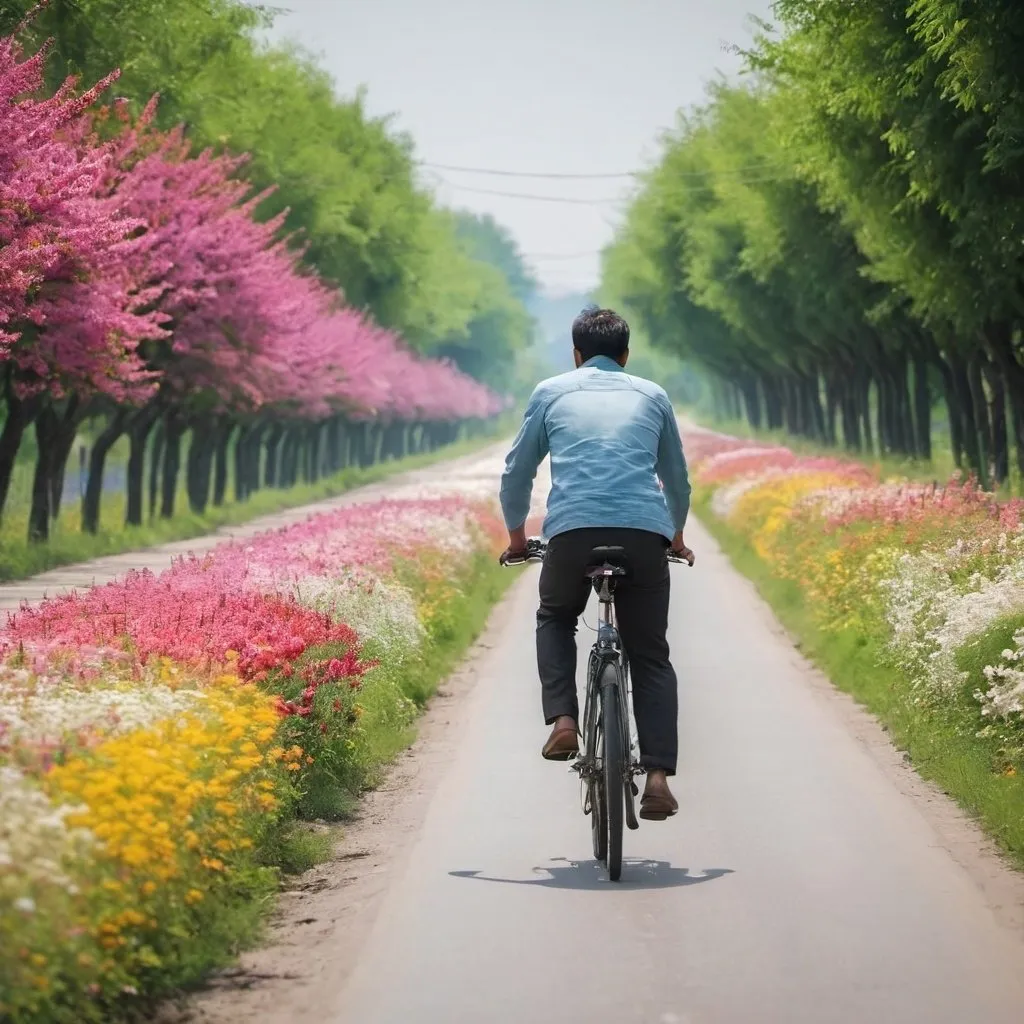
<point x="591" y="874"/>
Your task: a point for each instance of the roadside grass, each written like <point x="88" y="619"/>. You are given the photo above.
<point x="69" y="545"/>
<point x="942" y="745"/>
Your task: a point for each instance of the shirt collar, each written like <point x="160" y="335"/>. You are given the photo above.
<point x="602" y="363"/>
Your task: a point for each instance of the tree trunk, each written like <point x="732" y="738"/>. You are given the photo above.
<point x="752" y="402"/>
<point x="93" y="497"/>
<point x="904" y="410"/>
<point x="311" y="445"/>
<point x="200" y="463"/>
<point x="241" y="469"/>
<point x="335" y="445"/>
<point x="922" y="409"/>
<point x="286" y="466"/>
<point x="47" y="425"/>
<point x="156" y="461"/>
<point x="220" y="468"/>
<point x="971" y="441"/>
<point x="864" y="407"/>
<point x="954" y="412"/>
<point x="980" y="402"/>
<point x="773" y="405"/>
<point x="174" y="429"/>
<point x="812" y="405"/>
<point x="273" y="444"/>
<point x="63" y="442"/>
<point x="999" y="340"/>
<point x="254" y="450"/>
<point x="138" y="434"/>
<point x="997" y="418"/>
<point x="10" y="439"/>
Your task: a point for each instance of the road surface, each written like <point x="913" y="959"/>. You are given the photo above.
<point x="809" y="876"/>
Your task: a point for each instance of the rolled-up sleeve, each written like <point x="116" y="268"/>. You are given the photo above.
<point x="528" y="452"/>
<point x="672" y="469"/>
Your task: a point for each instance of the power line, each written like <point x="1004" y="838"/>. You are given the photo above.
<point x="560" y="255"/>
<point x="608" y="201"/>
<point x="526" y="174"/>
<point x="566" y="176"/>
<point x="526" y="195"/>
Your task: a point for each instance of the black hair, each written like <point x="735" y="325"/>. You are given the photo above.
<point x="600" y="332"/>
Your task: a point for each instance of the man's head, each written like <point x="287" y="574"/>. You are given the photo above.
<point x="600" y="332"/>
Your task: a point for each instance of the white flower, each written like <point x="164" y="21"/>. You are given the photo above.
<point x="37" y="847"/>
<point x="938" y="601"/>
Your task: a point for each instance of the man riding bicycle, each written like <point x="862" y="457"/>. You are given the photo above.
<point x="610" y="436"/>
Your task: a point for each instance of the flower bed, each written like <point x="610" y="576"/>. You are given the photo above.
<point x="933" y="574"/>
<point x="157" y="734"/>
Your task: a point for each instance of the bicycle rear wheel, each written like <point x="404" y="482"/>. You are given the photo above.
<point x="613" y="764"/>
<point x="595" y="785"/>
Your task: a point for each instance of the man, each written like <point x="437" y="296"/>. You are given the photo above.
<point x="610" y="437"/>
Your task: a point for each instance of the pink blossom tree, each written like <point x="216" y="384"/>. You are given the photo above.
<point x="136" y="280"/>
<point x="70" y="324"/>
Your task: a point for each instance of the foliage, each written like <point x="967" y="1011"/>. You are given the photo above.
<point x="837" y="240"/>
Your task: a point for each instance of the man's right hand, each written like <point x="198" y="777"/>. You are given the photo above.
<point x="679" y="550"/>
<point x="510" y="557"/>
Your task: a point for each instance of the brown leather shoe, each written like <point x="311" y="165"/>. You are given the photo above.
<point x="563" y="744"/>
<point x="658" y="806"/>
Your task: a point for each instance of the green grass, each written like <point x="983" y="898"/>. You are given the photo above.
<point x="300" y="846"/>
<point x="68" y="545"/>
<point x="943" y="745"/>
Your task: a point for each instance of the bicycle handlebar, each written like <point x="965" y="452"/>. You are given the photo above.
<point x="535" y="549"/>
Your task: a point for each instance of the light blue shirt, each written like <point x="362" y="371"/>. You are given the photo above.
<point x="611" y="436"/>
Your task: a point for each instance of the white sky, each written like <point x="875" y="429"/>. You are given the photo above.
<point x="552" y="86"/>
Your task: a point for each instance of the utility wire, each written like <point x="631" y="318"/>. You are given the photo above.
<point x="560" y="255"/>
<point x="607" y="201"/>
<point x="556" y="175"/>
<point x="526" y="195"/>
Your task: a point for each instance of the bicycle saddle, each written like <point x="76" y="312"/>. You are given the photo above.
<point x="602" y="557"/>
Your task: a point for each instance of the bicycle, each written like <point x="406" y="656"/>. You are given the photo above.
<point x="609" y="761"/>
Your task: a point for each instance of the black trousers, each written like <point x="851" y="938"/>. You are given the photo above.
<point x="641" y="608"/>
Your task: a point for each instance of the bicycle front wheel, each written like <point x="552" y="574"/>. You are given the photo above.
<point x="613" y="779"/>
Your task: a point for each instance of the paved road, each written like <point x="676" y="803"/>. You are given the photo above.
<point x="802" y="881"/>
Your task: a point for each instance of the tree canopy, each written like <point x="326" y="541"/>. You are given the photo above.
<point x="838" y="236"/>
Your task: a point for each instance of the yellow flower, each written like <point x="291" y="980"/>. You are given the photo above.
<point x="193" y="896"/>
